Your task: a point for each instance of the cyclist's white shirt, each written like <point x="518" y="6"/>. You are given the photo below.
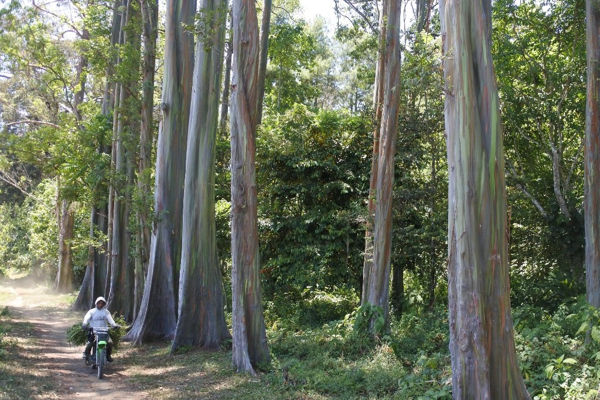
<point x="98" y="318"/>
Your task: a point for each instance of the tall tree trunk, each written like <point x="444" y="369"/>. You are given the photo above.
<point x="482" y="349"/>
<point x="94" y="281"/>
<point x="201" y="319"/>
<point x="226" y="82"/>
<point x="377" y="107"/>
<point x="592" y="155"/>
<point x="249" y="336"/>
<point x="121" y="298"/>
<point x="150" y="33"/>
<point x="85" y="297"/>
<point x="264" y="50"/>
<point x="378" y="284"/>
<point x="157" y="316"/>
<point x="117" y="36"/>
<point x="64" y="276"/>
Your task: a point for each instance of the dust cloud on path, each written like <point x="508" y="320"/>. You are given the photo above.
<point x="51" y="355"/>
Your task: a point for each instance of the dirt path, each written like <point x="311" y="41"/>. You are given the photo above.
<point x="49" y="352"/>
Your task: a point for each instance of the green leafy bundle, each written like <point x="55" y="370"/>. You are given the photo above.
<point x="77" y="336"/>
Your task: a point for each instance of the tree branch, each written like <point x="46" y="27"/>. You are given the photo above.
<point x="4" y="178"/>
<point x="58" y="17"/>
<point x="32" y="121"/>
<point x="522" y="188"/>
<point x="361" y="14"/>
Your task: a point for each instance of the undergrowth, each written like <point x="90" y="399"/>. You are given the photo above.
<point x="340" y="359"/>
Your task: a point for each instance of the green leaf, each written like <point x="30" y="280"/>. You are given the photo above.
<point x="549" y="371"/>
<point x="583" y="328"/>
<point x="596" y="334"/>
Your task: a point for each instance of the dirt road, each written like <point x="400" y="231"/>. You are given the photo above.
<point x="48" y="351"/>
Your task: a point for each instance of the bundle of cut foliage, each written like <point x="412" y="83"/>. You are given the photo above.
<point x="77" y="336"/>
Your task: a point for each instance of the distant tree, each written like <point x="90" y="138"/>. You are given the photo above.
<point x="482" y="348"/>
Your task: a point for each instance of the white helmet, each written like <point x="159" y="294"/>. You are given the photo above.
<point x="100" y="299"/>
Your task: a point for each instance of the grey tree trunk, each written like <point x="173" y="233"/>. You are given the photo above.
<point x="94" y="281"/>
<point x="201" y="319"/>
<point x="592" y="155"/>
<point x="157" y="316"/>
<point x="121" y="297"/>
<point x="265" y="28"/>
<point x="64" y="276"/>
<point x="377" y="108"/>
<point x="377" y="291"/>
<point x="85" y="297"/>
<point x="226" y="83"/>
<point x="482" y="349"/>
<point x="249" y="336"/>
<point x="149" y="10"/>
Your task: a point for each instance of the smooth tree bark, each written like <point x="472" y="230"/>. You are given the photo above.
<point x="149" y="9"/>
<point x="94" y="281"/>
<point x="201" y="317"/>
<point x="377" y="290"/>
<point x="249" y="337"/>
<point x="121" y="297"/>
<point x="377" y="108"/>
<point x="265" y="29"/>
<point x="157" y="316"/>
<point x="118" y="36"/>
<point x="66" y="220"/>
<point x="592" y="155"/>
<point x="482" y="349"/>
<point x="226" y="81"/>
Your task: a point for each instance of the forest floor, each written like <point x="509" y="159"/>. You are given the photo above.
<point x="36" y="362"/>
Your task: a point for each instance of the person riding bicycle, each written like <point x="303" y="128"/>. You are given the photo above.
<point x="98" y="317"/>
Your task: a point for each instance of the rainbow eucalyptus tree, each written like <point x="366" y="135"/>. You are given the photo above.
<point x="249" y="336"/>
<point x="226" y="82"/>
<point x="157" y="316"/>
<point x="149" y="9"/>
<point x="265" y="28"/>
<point x="201" y="318"/>
<point x="121" y="294"/>
<point x="94" y="281"/>
<point x="377" y="107"/>
<point x="592" y="155"/>
<point x="482" y="348"/>
<point x="377" y="287"/>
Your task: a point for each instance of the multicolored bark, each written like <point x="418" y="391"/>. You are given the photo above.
<point x="121" y="296"/>
<point x="201" y="319"/>
<point x="157" y="316"/>
<point x="377" y="288"/>
<point x="249" y="336"/>
<point x="484" y="364"/>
